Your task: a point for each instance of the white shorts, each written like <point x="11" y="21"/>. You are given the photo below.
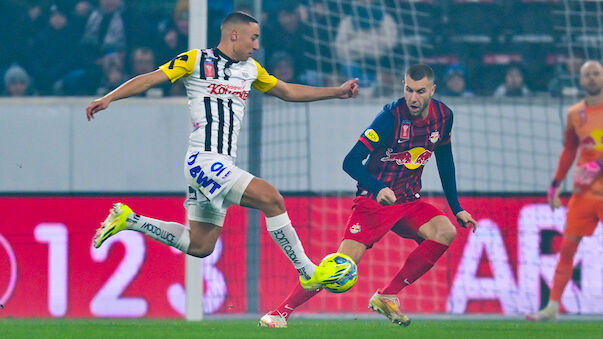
<point x="214" y="183"/>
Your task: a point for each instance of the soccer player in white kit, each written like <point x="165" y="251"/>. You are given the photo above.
<point x="217" y="82"/>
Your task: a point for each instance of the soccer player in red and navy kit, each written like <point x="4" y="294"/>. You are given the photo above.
<point x="398" y="144"/>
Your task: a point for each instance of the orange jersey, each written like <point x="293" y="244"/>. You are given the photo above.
<point x="584" y="134"/>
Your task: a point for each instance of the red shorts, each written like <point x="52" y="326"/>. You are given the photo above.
<point x="370" y="221"/>
<point x="583" y="214"/>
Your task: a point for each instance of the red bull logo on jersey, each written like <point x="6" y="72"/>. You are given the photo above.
<point x="434" y="137"/>
<point x="412" y="159"/>
<point x="594" y="140"/>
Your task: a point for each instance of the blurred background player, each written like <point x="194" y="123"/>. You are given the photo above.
<point x="398" y="144"/>
<point x="583" y="134"/>
<point x="218" y="81"/>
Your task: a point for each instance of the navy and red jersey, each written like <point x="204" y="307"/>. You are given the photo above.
<point x="401" y="145"/>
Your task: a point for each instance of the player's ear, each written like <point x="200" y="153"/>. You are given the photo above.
<point x="234" y="35"/>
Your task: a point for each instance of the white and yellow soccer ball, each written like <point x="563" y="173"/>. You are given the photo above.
<point x="348" y="280"/>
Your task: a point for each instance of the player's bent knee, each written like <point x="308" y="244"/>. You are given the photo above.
<point x="263" y="196"/>
<point x="273" y="202"/>
<point x="445" y="234"/>
<point x="450" y="234"/>
<point x="201" y="252"/>
<point x="278" y="202"/>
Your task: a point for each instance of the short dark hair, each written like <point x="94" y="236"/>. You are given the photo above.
<point x="420" y="71"/>
<point x="238" y="17"/>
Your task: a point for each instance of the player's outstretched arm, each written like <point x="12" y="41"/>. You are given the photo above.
<point x="129" y="88"/>
<point x="303" y="93"/>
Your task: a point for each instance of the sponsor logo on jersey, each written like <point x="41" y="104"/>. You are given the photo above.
<point x="404" y="131"/>
<point x="594" y="140"/>
<point x="355" y="228"/>
<point x="434" y="137"/>
<point x="221" y="89"/>
<point x="411" y="159"/>
<point x="371" y="135"/>
<point x="208" y="66"/>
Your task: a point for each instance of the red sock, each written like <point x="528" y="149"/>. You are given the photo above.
<point x="564" y="269"/>
<point x="418" y="263"/>
<point x="296" y="298"/>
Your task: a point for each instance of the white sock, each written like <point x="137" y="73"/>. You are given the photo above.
<point x="283" y="233"/>
<point x="170" y="233"/>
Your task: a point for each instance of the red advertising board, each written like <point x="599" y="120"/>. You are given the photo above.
<point x="48" y="267"/>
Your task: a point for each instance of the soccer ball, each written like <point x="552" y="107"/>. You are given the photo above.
<point x="348" y="280"/>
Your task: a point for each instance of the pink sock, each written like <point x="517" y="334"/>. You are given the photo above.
<point x="296" y="298"/>
<point x="418" y="263"/>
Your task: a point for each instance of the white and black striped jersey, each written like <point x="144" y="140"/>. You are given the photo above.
<point x="217" y="88"/>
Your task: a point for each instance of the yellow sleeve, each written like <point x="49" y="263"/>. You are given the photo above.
<point x="180" y="66"/>
<point x="265" y="81"/>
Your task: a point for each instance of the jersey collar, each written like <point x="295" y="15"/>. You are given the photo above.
<point x="221" y="54"/>
<point x="415" y="121"/>
<point x="592" y="108"/>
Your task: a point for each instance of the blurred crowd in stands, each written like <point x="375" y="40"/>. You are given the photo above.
<point x="489" y="47"/>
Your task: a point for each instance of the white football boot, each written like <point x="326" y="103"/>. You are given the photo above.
<point x="274" y="321"/>
<point x="549" y="313"/>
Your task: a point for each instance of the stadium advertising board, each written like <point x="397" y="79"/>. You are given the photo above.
<point x="48" y="267"/>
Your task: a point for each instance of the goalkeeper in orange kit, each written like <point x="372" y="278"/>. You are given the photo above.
<point x="583" y="137"/>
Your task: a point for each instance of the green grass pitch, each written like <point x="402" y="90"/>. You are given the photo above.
<point x="298" y="328"/>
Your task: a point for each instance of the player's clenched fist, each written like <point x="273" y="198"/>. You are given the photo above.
<point x="386" y="196"/>
<point x="348" y="89"/>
